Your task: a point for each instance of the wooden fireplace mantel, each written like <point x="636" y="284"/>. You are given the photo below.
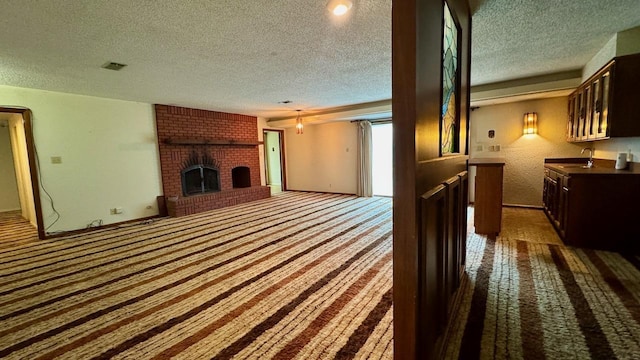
<point x="181" y="141"/>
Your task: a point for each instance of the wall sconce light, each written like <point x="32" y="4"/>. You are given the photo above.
<point x="299" y="126"/>
<point x="530" y="124"/>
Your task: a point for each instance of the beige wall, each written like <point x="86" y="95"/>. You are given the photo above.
<point x="109" y="156"/>
<point x="323" y="158"/>
<point x="524" y="155"/>
<point x="8" y="187"/>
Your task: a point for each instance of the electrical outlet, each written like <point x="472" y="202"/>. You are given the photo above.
<point x="492" y="148"/>
<point x="119" y="210"/>
<point x="56" y="159"/>
<point x="497" y="147"/>
<point x="112" y="211"/>
<point x="116" y="210"/>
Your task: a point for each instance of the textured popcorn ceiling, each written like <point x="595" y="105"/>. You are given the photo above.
<point x="245" y="55"/>
<point x="516" y="38"/>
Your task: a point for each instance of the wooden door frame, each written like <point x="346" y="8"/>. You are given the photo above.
<point x="33" y="165"/>
<point x="417" y="33"/>
<point x="283" y="172"/>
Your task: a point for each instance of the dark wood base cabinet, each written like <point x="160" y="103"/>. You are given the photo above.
<point x="593" y="208"/>
<point x="487" y="216"/>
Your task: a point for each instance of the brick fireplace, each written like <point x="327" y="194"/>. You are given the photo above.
<point x="217" y="151"/>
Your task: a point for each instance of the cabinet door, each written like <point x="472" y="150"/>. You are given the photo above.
<point x="563" y="206"/>
<point x="550" y="194"/>
<point x="571" y="118"/>
<point x="552" y="198"/>
<point x="582" y="114"/>
<point x="576" y="116"/>
<point x="603" y="124"/>
<point x="596" y="109"/>
<point x="586" y="123"/>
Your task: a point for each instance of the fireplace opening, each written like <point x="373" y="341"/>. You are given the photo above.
<point x="241" y="177"/>
<point x="200" y="179"/>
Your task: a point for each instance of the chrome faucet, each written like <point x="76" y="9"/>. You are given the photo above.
<point x="590" y="161"/>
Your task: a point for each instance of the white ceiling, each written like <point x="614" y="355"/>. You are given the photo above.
<point x="245" y="56"/>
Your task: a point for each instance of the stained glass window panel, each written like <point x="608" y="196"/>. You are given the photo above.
<point x="448" y="131"/>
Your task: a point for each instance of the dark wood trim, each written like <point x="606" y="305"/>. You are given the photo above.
<point x="101" y="227"/>
<point x="405" y="204"/>
<point x="179" y="141"/>
<point x="283" y="162"/>
<point x="417" y="32"/>
<point x="517" y="206"/>
<point x="33" y="166"/>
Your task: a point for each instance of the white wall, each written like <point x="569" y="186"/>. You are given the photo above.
<point x="109" y="156"/>
<point x="324" y="158"/>
<point x="628" y="42"/>
<point x="524" y="155"/>
<point x="622" y="43"/>
<point x="8" y="187"/>
<point x="609" y="149"/>
<point x="601" y="58"/>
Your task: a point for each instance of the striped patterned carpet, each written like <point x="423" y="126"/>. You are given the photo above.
<point x="537" y="300"/>
<point x="300" y="275"/>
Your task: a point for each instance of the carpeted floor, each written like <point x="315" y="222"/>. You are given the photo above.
<point x="300" y="275"/>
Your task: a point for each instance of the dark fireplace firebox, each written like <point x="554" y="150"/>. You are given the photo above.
<point x="241" y="177"/>
<point x="200" y="179"/>
<point x="200" y="175"/>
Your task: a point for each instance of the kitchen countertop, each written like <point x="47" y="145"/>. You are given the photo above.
<point x="577" y="169"/>
<point x="496" y="161"/>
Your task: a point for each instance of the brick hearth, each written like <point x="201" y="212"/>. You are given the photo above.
<point x="230" y="139"/>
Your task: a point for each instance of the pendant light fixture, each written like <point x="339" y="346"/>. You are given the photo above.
<point x="299" y="126"/>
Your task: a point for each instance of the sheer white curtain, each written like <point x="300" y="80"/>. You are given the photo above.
<point x="365" y="156"/>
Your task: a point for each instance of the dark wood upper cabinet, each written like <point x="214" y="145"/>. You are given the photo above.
<point x="604" y="106"/>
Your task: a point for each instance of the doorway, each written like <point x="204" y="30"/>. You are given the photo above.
<point x="382" y="164"/>
<point x="16" y="129"/>
<point x="274" y="160"/>
<point x="17" y="194"/>
<point x="9" y="199"/>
